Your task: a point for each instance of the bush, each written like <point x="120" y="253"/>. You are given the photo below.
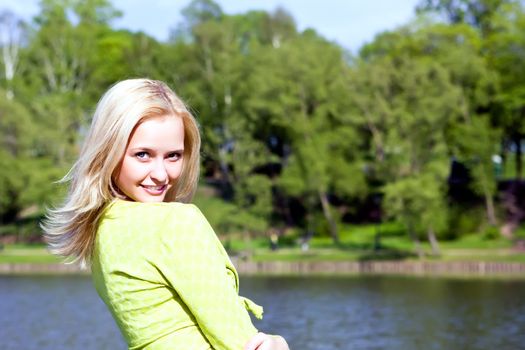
<point x="463" y="221"/>
<point x="226" y="217"/>
<point x="26" y="230"/>
<point x="520" y="232"/>
<point x="490" y="233"/>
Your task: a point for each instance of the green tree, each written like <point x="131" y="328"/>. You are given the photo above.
<point x="212" y="71"/>
<point x="299" y="88"/>
<point x="476" y="142"/>
<point x="408" y="105"/>
<point x="25" y="175"/>
<point x="12" y="36"/>
<point x="500" y="23"/>
<point x="477" y="13"/>
<point x="469" y="72"/>
<point x="505" y="50"/>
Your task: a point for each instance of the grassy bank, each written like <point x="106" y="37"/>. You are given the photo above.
<point x="387" y="242"/>
<point x="39" y="255"/>
<point x="378" y="243"/>
<point x="26" y="253"/>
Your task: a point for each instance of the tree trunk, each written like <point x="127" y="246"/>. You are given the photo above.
<point x="491" y="212"/>
<point x="225" y="173"/>
<point x="519" y="163"/>
<point x="377" y="139"/>
<point x="285" y="205"/>
<point x="328" y="216"/>
<point x="489" y="201"/>
<point x="11" y="32"/>
<point x="417" y="243"/>
<point x="433" y="242"/>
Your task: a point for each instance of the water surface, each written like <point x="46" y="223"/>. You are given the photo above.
<point x="376" y="312"/>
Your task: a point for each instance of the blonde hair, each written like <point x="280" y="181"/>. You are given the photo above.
<point x="70" y="229"/>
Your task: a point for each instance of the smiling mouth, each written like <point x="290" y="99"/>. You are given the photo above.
<point x="155" y="190"/>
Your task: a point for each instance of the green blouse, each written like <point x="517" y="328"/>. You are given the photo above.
<point x="167" y="279"/>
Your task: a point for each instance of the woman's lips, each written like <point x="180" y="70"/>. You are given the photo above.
<point x="155" y="190"/>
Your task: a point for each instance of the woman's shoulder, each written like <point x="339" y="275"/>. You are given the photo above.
<point x="122" y="207"/>
<point x="147" y="216"/>
<point x="122" y="219"/>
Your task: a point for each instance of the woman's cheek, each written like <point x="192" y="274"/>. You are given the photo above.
<point x="175" y="171"/>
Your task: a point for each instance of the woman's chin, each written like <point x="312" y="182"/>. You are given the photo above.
<point x="150" y="194"/>
<point x="147" y="197"/>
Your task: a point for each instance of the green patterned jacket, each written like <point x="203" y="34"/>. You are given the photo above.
<point x="167" y="279"/>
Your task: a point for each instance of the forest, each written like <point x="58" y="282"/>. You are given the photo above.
<point x="423" y="127"/>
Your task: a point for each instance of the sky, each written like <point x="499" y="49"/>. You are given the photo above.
<point x="350" y="23"/>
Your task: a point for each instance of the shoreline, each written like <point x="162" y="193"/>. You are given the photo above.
<point x="305" y="268"/>
<point x="404" y="268"/>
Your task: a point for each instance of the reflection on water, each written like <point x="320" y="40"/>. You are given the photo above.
<point x="64" y="312"/>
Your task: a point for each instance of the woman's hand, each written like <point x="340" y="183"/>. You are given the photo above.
<point x="262" y="341"/>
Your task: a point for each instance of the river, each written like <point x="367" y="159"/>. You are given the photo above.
<point x="312" y="313"/>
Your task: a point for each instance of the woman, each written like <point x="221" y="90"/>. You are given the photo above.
<point x="155" y="260"/>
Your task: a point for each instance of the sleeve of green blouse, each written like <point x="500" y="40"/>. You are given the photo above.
<point x="195" y="268"/>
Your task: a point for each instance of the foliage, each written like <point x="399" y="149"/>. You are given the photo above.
<point x="296" y="131"/>
<point x="463" y="221"/>
<point x="25" y="177"/>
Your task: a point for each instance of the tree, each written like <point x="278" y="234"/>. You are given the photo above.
<point x="407" y="104"/>
<point x="476" y="142"/>
<point x="12" y="36"/>
<point x="195" y="14"/>
<point x="299" y="89"/>
<point x="500" y="23"/>
<point x="59" y="72"/>
<point x="477" y="13"/>
<point x="211" y="69"/>
<point x="25" y="177"/>
<point x="505" y="50"/>
<point x="64" y="50"/>
<point x="470" y="72"/>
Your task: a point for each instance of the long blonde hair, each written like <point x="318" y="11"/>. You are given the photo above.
<point x="70" y="229"/>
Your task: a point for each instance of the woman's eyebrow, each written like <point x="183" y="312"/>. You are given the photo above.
<point x="152" y="150"/>
<point x="141" y="148"/>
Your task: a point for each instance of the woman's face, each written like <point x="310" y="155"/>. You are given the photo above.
<point x="152" y="162"/>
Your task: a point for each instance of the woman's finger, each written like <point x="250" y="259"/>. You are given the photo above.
<point x="255" y="341"/>
<point x="274" y="342"/>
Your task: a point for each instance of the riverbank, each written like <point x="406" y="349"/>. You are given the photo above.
<point x="306" y="268"/>
<point x="413" y="268"/>
<point x="462" y="262"/>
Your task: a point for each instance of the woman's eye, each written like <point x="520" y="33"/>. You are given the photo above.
<point x="174" y="156"/>
<point x="142" y="155"/>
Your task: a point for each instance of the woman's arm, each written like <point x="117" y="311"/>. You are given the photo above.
<point x="194" y="266"/>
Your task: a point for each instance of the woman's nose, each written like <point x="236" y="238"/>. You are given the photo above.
<point x="158" y="172"/>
